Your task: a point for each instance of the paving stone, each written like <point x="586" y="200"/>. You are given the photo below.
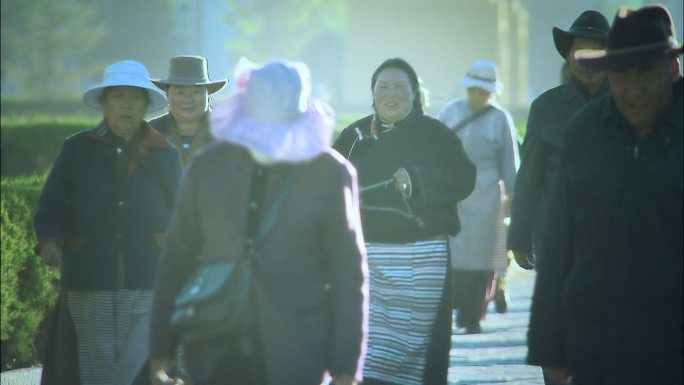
<point x="497" y="356"/>
<point x="26" y="376"/>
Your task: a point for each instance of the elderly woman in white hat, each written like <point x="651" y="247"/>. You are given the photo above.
<point x="490" y="140"/>
<point x="307" y="307"/>
<point x="101" y="217"/>
<point x="188" y="89"/>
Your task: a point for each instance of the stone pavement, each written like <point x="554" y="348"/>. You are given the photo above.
<point x="27" y="376"/>
<point x="497" y="356"/>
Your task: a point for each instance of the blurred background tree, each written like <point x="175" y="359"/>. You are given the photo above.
<point x="267" y="29"/>
<point x="46" y="44"/>
<point x="56" y="48"/>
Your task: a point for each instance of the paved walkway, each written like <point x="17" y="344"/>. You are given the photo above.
<point x="497" y="356"/>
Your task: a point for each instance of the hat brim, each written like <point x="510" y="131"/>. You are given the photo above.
<point x="212" y="87"/>
<point x="93" y="95"/>
<point x="492" y="87"/>
<point x="608" y="60"/>
<point x="563" y="39"/>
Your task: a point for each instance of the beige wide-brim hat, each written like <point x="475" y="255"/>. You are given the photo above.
<point x="126" y="73"/>
<point x="483" y="74"/>
<point x="189" y="70"/>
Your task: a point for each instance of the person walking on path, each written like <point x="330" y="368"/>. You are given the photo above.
<point x="102" y="217"/>
<point x="489" y="139"/>
<point x="548" y="116"/>
<point x="414" y="171"/>
<point x="189" y="90"/>
<point x="608" y="298"/>
<point x="308" y="301"/>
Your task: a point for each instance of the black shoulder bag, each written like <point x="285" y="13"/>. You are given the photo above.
<point x="215" y="298"/>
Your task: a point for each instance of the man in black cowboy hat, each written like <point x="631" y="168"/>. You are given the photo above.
<point x="607" y="305"/>
<point x="188" y="88"/>
<point x="548" y="116"/>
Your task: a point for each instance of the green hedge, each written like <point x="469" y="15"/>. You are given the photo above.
<point x="18" y="106"/>
<point x="28" y="286"/>
<point x="30" y="145"/>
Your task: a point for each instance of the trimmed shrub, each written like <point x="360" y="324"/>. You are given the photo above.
<point x="30" y="145"/>
<point x="14" y="106"/>
<point x="28" y="286"/>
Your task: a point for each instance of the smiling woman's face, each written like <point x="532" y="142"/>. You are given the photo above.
<point x="393" y="95"/>
<point x="124" y="109"/>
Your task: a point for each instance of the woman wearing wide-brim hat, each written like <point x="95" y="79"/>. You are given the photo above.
<point x="545" y="130"/>
<point x="101" y="218"/>
<point x="188" y="89"/>
<point x="479" y="258"/>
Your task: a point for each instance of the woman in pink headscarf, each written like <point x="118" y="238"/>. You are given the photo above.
<point x="307" y="307"/>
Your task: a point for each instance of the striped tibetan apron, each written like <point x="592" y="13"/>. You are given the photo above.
<point x="406" y="288"/>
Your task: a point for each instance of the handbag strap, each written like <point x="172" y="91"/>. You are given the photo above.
<point x="471" y="118"/>
<point x="268" y="219"/>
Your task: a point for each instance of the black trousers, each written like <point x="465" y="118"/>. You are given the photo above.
<point x="469" y="291"/>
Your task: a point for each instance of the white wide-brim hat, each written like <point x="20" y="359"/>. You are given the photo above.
<point x="483" y="74"/>
<point x="126" y="73"/>
<point x="273" y="115"/>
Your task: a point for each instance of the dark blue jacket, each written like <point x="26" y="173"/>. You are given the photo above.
<point x="440" y="171"/>
<point x="97" y="215"/>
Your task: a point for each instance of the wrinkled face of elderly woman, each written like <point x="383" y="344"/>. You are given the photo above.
<point x="124" y="109"/>
<point x="393" y="95"/>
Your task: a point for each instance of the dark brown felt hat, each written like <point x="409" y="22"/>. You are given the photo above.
<point x="590" y="24"/>
<point x="636" y="37"/>
<point x="189" y="71"/>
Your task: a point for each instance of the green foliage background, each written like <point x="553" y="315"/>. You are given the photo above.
<point x="31" y="144"/>
<point x="27" y="284"/>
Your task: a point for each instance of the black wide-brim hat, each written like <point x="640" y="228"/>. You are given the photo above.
<point x="590" y="24"/>
<point x="636" y="37"/>
<point x="189" y="70"/>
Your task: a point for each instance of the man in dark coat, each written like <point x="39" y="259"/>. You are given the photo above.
<point x="548" y="116"/>
<point x="607" y="305"/>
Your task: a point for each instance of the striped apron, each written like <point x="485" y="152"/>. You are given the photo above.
<point x="406" y="287"/>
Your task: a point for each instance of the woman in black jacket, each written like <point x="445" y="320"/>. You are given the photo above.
<point x="414" y="171"/>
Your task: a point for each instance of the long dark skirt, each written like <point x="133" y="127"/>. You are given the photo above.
<point x="469" y="295"/>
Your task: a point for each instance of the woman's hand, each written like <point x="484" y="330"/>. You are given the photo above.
<point x="402" y="182"/>
<point x="524" y="260"/>
<point x="558" y="376"/>
<point x="343" y="379"/>
<point x="158" y="374"/>
<point x="51" y="253"/>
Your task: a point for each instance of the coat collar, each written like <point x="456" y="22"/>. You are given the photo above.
<point x="667" y="127"/>
<point x="151" y="139"/>
<point x="580" y="93"/>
